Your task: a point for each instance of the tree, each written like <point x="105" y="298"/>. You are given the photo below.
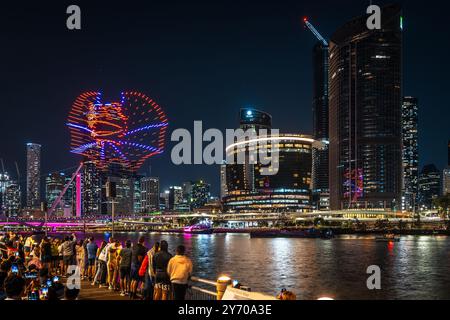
<point x="443" y="205"/>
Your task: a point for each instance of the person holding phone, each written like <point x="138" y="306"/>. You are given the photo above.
<point x="14" y="287"/>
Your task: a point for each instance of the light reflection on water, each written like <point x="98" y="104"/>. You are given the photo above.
<point x="417" y="267"/>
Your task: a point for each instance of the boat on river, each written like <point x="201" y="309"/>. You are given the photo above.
<point x="198" y="229"/>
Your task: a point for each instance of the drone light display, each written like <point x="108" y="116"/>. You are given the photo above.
<point x="127" y="132"/>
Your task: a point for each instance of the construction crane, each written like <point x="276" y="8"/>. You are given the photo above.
<point x="315" y="32"/>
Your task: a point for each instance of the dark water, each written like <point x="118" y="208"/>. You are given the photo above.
<point x="418" y="267"/>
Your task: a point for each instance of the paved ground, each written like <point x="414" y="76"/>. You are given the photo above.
<point x="89" y="292"/>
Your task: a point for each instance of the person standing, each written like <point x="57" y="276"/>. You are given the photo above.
<point x="125" y="256"/>
<point x="139" y="251"/>
<point x="91" y="249"/>
<point x="162" y="280"/>
<point x="68" y="252"/>
<point x="148" y="272"/>
<point x="179" y="270"/>
<point x="46" y="252"/>
<point x="79" y="250"/>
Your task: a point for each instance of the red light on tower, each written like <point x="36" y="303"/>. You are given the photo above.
<point x="305" y="19"/>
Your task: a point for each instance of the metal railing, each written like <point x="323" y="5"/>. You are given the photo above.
<point x="196" y="292"/>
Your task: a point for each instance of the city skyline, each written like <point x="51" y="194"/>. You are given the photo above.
<point x="294" y="91"/>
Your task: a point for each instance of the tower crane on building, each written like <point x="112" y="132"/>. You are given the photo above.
<point x="315" y="32"/>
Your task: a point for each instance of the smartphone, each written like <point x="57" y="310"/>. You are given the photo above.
<point x="17" y="253"/>
<point x="44" y="293"/>
<point x="14" y="268"/>
<point x="33" y="295"/>
<point x="49" y="283"/>
<point x="55" y="279"/>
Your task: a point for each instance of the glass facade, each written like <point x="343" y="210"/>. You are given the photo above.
<point x="365" y="99"/>
<point x="33" y="175"/>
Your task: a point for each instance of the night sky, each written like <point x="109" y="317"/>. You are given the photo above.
<point x="200" y="60"/>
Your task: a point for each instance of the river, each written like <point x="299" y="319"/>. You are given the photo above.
<point x="417" y="267"/>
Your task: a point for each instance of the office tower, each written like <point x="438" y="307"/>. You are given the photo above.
<point x="287" y="191"/>
<point x="13" y="197"/>
<point x="123" y="179"/>
<point x="69" y="198"/>
<point x="91" y="180"/>
<point x="320" y="157"/>
<point x="365" y="103"/>
<point x="54" y="185"/>
<point x="164" y="200"/>
<point x="175" y="197"/>
<point x="4" y="182"/>
<point x="446" y="181"/>
<point x="241" y="176"/>
<point x="137" y="208"/>
<point x="223" y="180"/>
<point x="429" y="186"/>
<point x="200" y="194"/>
<point x="150" y="194"/>
<point x="410" y="137"/>
<point x="33" y="175"/>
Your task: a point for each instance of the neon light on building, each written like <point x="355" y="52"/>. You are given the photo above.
<point x="127" y="132"/>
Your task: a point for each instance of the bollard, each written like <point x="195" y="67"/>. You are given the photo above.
<point x="222" y="283"/>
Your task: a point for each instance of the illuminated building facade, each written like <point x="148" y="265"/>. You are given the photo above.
<point x="223" y="180"/>
<point x="410" y="137"/>
<point x="10" y="196"/>
<point x="365" y="114"/>
<point x="91" y="179"/>
<point x="242" y="176"/>
<point x="13" y="196"/>
<point x="200" y="194"/>
<point x="429" y="186"/>
<point x="33" y="175"/>
<point x="175" y="197"/>
<point x="320" y="162"/>
<point x="54" y="185"/>
<point x="288" y="190"/>
<point x="446" y="182"/>
<point x="150" y="194"/>
<point x="124" y="181"/>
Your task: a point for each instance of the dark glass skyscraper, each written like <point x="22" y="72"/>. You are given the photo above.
<point x="410" y="136"/>
<point x="320" y="162"/>
<point x="429" y="186"/>
<point x="33" y="175"/>
<point x="365" y="100"/>
<point x="242" y="176"/>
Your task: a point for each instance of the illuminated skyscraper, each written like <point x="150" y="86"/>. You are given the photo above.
<point x="429" y="186"/>
<point x="365" y="105"/>
<point x="320" y="164"/>
<point x="242" y="176"/>
<point x="446" y="181"/>
<point x="410" y="137"/>
<point x="4" y="183"/>
<point x="175" y="197"/>
<point x="150" y="194"/>
<point x="200" y="194"/>
<point x="223" y="180"/>
<point x="91" y="180"/>
<point x="33" y="175"/>
<point x="54" y="185"/>
<point x="13" y="199"/>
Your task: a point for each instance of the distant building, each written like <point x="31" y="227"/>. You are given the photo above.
<point x="124" y="181"/>
<point x="91" y="180"/>
<point x="54" y="185"/>
<point x="175" y="197"/>
<point x="320" y="156"/>
<point x="10" y="196"/>
<point x="288" y="190"/>
<point x="223" y="180"/>
<point x="410" y="137"/>
<point x="150" y="194"/>
<point x="365" y="114"/>
<point x="164" y="200"/>
<point x="137" y="202"/>
<point x="200" y="194"/>
<point x="13" y="199"/>
<point x="446" y="182"/>
<point x="429" y="186"/>
<point x="33" y="175"/>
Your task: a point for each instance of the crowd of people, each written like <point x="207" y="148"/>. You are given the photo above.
<point x="39" y="267"/>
